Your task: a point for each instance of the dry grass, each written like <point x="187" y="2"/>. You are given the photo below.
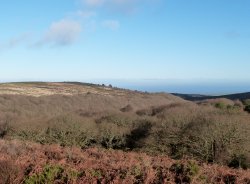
<point x="38" y="89"/>
<point x="48" y="89"/>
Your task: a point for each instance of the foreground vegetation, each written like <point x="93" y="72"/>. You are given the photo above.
<point x="70" y="129"/>
<point x="29" y="163"/>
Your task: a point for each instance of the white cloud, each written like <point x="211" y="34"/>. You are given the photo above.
<point x="112" y="8"/>
<point x="15" y="41"/>
<point x="61" y="33"/>
<point x="111" y="24"/>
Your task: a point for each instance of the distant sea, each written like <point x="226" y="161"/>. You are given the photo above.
<point x="205" y="87"/>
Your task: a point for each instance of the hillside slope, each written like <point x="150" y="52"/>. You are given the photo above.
<point x="94" y="97"/>
<point x="41" y="124"/>
<point x="36" y="105"/>
<point x="196" y="97"/>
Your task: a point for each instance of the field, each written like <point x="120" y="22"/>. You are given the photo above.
<point x="85" y="133"/>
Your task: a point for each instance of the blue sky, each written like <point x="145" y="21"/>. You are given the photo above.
<point x="58" y="40"/>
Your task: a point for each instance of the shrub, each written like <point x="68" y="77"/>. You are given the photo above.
<point x="238" y="161"/>
<point x="220" y="105"/>
<point x="111" y="141"/>
<point x="4" y="128"/>
<point x="229" y="179"/>
<point x="8" y="172"/>
<point x="138" y="174"/>
<point x="96" y="173"/>
<point x="127" y="108"/>
<point x="184" y="173"/>
<point x="247" y="108"/>
<point x="140" y="132"/>
<point x="50" y="174"/>
<point x="112" y="132"/>
<point x="201" y="137"/>
<point x="246" y="102"/>
<point x="214" y="142"/>
<point x="114" y="119"/>
<point x="144" y="112"/>
<point x="63" y="134"/>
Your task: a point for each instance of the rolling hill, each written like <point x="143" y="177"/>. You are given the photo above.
<point x="72" y="132"/>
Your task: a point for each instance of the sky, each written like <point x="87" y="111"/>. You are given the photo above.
<point x="82" y="40"/>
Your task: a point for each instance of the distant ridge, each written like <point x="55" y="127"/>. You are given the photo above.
<point x="89" y="98"/>
<point x="197" y="97"/>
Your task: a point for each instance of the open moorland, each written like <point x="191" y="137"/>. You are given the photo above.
<point x="85" y="133"/>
